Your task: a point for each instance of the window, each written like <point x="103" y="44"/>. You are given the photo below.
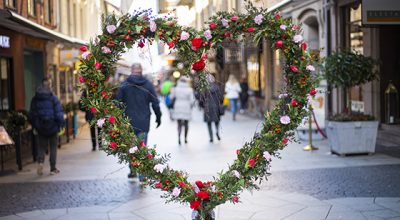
<point x="48" y="11"/>
<point x="5" y="84"/>
<point x="32" y="7"/>
<point x="10" y="3"/>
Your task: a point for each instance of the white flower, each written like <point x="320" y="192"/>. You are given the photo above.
<point x="258" y="19"/>
<point x="283" y="95"/>
<point x="285" y="119"/>
<point x="184" y="35"/>
<point x="267" y="155"/>
<point x="159" y="168"/>
<point x="86" y="55"/>
<point x="310" y="68"/>
<point x="225" y="22"/>
<point x="111" y="28"/>
<point x="133" y="149"/>
<point x="236" y="173"/>
<point x="105" y="50"/>
<point x="297" y="38"/>
<point x="283" y="27"/>
<point x="176" y="191"/>
<point x="153" y="26"/>
<point x="309" y="100"/>
<point x="207" y="34"/>
<point x="100" y="122"/>
<point x="195" y="188"/>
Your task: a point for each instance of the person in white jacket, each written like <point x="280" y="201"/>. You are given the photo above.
<point x="183" y="97"/>
<point x="232" y="90"/>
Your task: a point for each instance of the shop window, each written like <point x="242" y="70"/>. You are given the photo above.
<point x="48" y="12"/>
<point x="5" y="84"/>
<point x="32" y="7"/>
<point x="10" y="3"/>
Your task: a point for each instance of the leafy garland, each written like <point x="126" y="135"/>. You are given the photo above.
<point x="253" y="159"/>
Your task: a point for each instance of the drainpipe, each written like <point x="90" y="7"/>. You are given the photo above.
<point x="327" y="8"/>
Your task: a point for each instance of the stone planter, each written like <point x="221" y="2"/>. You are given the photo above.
<point x="355" y="137"/>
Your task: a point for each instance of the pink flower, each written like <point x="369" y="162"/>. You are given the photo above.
<point x="251" y="162"/>
<point x="267" y="155"/>
<point x="111" y="119"/>
<point x="297" y="38"/>
<point x="133" y="150"/>
<point x="176" y="191"/>
<point x="235" y="199"/>
<point x="225" y="22"/>
<point x="283" y="27"/>
<point x="100" y="122"/>
<point x="153" y="26"/>
<point x="234" y="18"/>
<point x="207" y="34"/>
<point x="82" y="79"/>
<point x="86" y="55"/>
<point x="105" y="50"/>
<point x="236" y="174"/>
<point x="283" y="95"/>
<point x="294" y="69"/>
<point x="184" y="35"/>
<point x="159" y="168"/>
<point x="310" y="68"/>
<point x="111" y="29"/>
<point x="97" y="65"/>
<point x="285" y="119"/>
<point x="258" y="19"/>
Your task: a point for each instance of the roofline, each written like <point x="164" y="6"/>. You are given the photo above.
<point x="280" y="4"/>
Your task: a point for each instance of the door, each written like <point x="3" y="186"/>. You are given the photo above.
<point x="6" y="96"/>
<point x="33" y="74"/>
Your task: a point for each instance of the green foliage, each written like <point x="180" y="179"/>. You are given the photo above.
<point x="348" y="68"/>
<point x="15" y="122"/>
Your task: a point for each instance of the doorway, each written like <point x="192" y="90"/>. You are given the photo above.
<point x="33" y="74"/>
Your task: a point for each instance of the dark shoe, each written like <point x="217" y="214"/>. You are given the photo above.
<point x="211" y="140"/>
<point x="179" y="141"/>
<point x="54" y="172"/>
<point x="132" y="175"/>
<point x="94" y="149"/>
<point x="185" y="141"/>
<point x="218" y="137"/>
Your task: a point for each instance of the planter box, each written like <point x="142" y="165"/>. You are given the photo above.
<point x="353" y="137"/>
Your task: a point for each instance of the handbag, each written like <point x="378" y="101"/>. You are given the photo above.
<point x="222" y="110"/>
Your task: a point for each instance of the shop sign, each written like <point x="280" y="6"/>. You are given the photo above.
<point x="380" y="12"/>
<point x="4" y="41"/>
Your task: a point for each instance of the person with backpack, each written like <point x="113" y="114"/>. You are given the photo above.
<point x="47" y="118"/>
<point x="96" y="140"/>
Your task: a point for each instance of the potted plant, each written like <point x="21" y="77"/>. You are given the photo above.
<point x="351" y="132"/>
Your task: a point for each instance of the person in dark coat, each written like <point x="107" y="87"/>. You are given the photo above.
<point x="137" y="93"/>
<point x="47" y="118"/>
<point x="96" y="141"/>
<point x="212" y="105"/>
<point x="244" y="94"/>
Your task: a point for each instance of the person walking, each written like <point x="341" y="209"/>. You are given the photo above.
<point x="232" y="90"/>
<point x="47" y="118"/>
<point x="211" y="102"/>
<point x="183" y="97"/>
<point x="96" y="140"/>
<point x="244" y="94"/>
<point x="137" y="93"/>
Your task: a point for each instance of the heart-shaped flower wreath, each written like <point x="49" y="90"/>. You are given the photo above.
<point x="253" y="159"/>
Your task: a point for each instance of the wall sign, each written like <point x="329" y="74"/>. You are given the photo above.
<point x="4" y="41"/>
<point x="380" y="12"/>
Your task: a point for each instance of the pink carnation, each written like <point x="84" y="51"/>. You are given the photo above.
<point x="285" y="119"/>
<point x="111" y="29"/>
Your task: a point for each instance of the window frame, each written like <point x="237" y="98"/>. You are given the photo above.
<point x="34" y="12"/>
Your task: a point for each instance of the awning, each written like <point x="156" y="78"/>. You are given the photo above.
<point x="16" y="22"/>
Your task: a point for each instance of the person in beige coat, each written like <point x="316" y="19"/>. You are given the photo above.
<point x="183" y="96"/>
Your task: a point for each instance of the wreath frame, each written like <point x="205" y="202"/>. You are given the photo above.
<point x="253" y="160"/>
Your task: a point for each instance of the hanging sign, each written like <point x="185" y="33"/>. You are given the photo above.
<point x="380" y="12"/>
<point x="4" y="41"/>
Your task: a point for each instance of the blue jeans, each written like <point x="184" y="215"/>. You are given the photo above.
<point x="233" y="103"/>
<point x="142" y="136"/>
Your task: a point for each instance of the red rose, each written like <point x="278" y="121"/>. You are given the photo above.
<point x="82" y="79"/>
<point x="104" y="94"/>
<point x="195" y="204"/>
<point x="237" y="152"/>
<point x="199" y="65"/>
<point x="150" y="156"/>
<point x="182" y="184"/>
<point x="111" y="119"/>
<point x="279" y="44"/>
<point x="158" y="185"/>
<point x="142" y="144"/>
<point x="234" y="18"/>
<point x="93" y="110"/>
<point x="97" y="65"/>
<point x="212" y="26"/>
<point x="171" y="44"/>
<point x="277" y="16"/>
<point x="203" y="195"/>
<point x="304" y="46"/>
<point x="197" y="42"/>
<point x="251" y="162"/>
<point x="235" y="199"/>
<point x="199" y="184"/>
<point x="127" y="37"/>
<point x="250" y="29"/>
<point x="285" y="140"/>
<point x="113" y="145"/>
<point x="302" y="58"/>
<point x="294" y="103"/>
<point x="204" y="56"/>
<point x="313" y="92"/>
<point x="141" y="44"/>
<point x="227" y="34"/>
<point x="83" y="48"/>
<point x="294" y="69"/>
